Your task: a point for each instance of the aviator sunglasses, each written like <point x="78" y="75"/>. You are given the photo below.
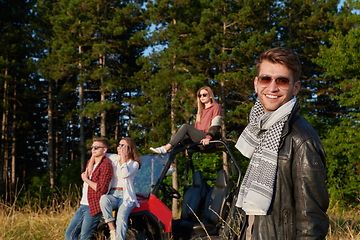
<point x="282" y="82"/>
<point x="202" y="95"/>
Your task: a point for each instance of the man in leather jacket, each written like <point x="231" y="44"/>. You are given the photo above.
<point x="283" y="192"/>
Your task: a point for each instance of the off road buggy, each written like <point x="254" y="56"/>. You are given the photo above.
<point x="207" y="203"/>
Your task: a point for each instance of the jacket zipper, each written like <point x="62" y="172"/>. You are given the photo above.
<point x="286" y="225"/>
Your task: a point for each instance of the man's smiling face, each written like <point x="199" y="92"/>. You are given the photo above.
<point x="274" y="95"/>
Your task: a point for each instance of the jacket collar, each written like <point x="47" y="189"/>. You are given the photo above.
<point x="287" y="126"/>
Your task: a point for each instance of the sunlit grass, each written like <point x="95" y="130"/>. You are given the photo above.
<point x="30" y="221"/>
<point x="344" y="224"/>
<point x="30" y="225"/>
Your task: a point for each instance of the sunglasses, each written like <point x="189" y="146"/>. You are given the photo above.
<point x="122" y="145"/>
<point x="95" y="147"/>
<point x="202" y="95"/>
<point x="282" y="82"/>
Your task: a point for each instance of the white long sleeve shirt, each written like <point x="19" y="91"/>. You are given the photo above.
<point x="124" y="176"/>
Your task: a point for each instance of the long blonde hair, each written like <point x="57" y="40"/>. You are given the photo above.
<point x="200" y="105"/>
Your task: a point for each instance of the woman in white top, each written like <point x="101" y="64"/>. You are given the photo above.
<point x="121" y="195"/>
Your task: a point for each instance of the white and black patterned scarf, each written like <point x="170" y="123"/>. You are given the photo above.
<point x="260" y="142"/>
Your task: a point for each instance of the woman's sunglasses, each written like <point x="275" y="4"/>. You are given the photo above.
<point x="202" y="95"/>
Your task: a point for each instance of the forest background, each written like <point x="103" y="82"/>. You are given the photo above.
<point x="75" y="69"/>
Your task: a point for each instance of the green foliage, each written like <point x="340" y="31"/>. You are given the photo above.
<point x="51" y="48"/>
<point x="93" y="109"/>
<point x="70" y="175"/>
<point x="343" y="164"/>
<point x="39" y="195"/>
<point x="342" y="140"/>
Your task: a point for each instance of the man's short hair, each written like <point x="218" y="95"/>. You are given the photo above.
<point x="104" y="141"/>
<point x="283" y="56"/>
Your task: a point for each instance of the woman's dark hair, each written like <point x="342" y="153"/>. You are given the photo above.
<point x="133" y="153"/>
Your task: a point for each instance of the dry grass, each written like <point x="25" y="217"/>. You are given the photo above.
<point x="32" y="225"/>
<point x="32" y="222"/>
<point x="29" y="219"/>
<point x="344" y="224"/>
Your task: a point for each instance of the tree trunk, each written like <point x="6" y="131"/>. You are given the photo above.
<point x="116" y="130"/>
<point x="50" y="135"/>
<point x="4" y="138"/>
<point x="13" y="148"/>
<point x="175" y="183"/>
<point x="222" y="103"/>
<point x="56" y="148"/>
<point x="103" y="113"/>
<point x="65" y="154"/>
<point x="81" y="120"/>
<point x="82" y="132"/>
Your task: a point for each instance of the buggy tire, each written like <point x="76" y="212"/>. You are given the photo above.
<point x="207" y="238"/>
<point x="133" y="234"/>
<point x="233" y="225"/>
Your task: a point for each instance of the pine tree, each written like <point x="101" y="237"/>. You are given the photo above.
<point x="19" y="96"/>
<point x="204" y="43"/>
<point x="341" y="62"/>
<point x="306" y="26"/>
<point x="95" y="45"/>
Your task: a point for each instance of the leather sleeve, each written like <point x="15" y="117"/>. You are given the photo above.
<point x="311" y="196"/>
<point x="214" y="130"/>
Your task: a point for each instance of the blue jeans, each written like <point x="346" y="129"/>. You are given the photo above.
<point x="82" y="224"/>
<point x="114" y="200"/>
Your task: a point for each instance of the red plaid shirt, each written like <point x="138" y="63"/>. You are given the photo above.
<point x="102" y="176"/>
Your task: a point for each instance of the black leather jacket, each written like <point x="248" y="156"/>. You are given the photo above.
<point x="300" y="200"/>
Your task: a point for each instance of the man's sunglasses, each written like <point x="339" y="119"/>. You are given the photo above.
<point x="282" y="82"/>
<point x="95" y="147"/>
<point x="204" y="95"/>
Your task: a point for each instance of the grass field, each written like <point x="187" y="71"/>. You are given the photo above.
<point x="33" y="222"/>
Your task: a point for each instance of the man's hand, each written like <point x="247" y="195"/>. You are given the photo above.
<point x="85" y="176"/>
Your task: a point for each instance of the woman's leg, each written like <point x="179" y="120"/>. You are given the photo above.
<point x="122" y="220"/>
<point x="107" y="204"/>
<point x="187" y="130"/>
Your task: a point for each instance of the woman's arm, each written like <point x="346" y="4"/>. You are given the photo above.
<point x="90" y="166"/>
<point x="128" y="169"/>
<point x="214" y="131"/>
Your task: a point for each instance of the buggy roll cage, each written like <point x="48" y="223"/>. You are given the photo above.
<point x="219" y="145"/>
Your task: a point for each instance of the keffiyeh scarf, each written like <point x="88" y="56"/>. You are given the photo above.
<point x="260" y="142"/>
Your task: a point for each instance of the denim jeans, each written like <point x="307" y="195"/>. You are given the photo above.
<point x="114" y="200"/>
<point x="82" y="224"/>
